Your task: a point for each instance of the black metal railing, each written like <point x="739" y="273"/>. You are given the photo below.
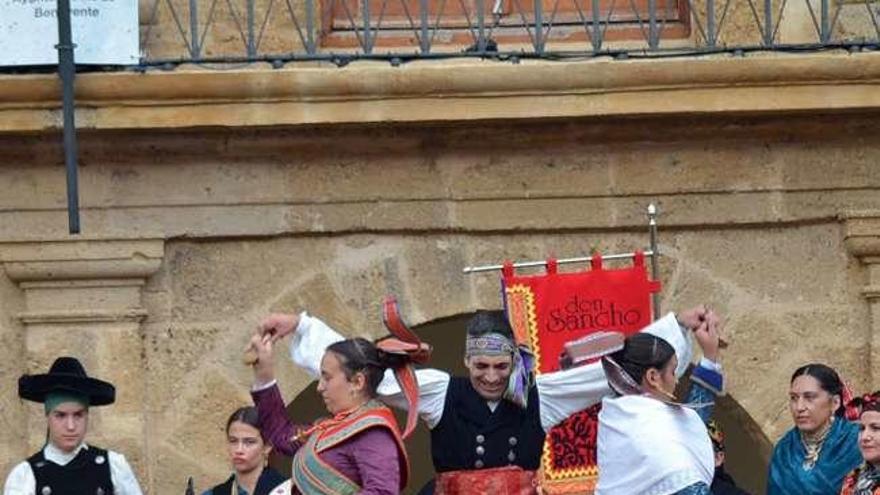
<point x="281" y="31"/>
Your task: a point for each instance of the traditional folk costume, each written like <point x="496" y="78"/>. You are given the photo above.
<point x="479" y="446"/>
<point x="359" y="451"/>
<point x="87" y="469"/>
<point x="269" y="479"/>
<point x="821" y="472"/>
<point x="863" y="480"/>
<point x="647" y="446"/>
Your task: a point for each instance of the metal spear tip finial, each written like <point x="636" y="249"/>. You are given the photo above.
<point x="652" y="215"/>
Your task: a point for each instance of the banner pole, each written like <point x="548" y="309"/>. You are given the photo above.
<point x="655" y="250"/>
<point x="561" y="261"/>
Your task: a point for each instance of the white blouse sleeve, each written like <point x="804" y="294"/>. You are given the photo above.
<point x="20" y="481"/>
<point x="122" y="476"/>
<point x="433" y="385"/>
<point x="310" y="340"/>
<point x="563" y="393"/>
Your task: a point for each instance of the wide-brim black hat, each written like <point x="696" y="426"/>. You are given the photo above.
<point x="66" y="375"/>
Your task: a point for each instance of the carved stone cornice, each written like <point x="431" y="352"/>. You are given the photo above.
<point x="82" y="281"/>
<point x="28" y="262"/>
<point x="446" y="91"/>
<point x="862" y="235"/>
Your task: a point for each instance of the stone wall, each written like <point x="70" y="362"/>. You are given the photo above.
<point x="189" y="237"/>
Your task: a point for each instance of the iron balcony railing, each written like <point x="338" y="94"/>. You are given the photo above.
<point x="232" y="33"/>
<point x="282" y="31"/>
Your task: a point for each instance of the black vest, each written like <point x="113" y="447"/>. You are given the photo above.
<point x="471" y="436"/>
<point x="87" y="474"/>
<point x="268" y="480"/>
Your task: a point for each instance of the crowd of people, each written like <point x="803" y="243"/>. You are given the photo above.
<point x="487" y="428"/>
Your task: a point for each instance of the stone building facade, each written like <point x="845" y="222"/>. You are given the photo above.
<point x="211" y="198"/>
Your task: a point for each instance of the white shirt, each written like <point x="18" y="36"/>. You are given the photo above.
<point x="560" y="394"/>
<point x="649" y="447"/>
<point x="21" y="479"/>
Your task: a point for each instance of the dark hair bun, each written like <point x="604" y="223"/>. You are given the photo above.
<point x="642" y="352"/>
<point x="391" y="359"/>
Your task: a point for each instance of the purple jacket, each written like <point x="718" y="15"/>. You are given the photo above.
<point x="366" y="459"/>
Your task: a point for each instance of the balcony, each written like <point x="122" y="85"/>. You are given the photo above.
<point x="279" y="32"/>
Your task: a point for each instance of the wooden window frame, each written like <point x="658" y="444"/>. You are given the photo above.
<point x="627" y="22"/>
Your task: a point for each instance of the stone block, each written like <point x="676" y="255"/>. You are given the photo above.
<point x="119" y="357"/>
<point x="13" y="362"/>
<point x="798" y="265"/>
<point x="505" y="167"/>
<point x="432" y="284"/>
<point x="175" y="355"/>
<point x="319" y="297"/>
<point x="676" y="166"/>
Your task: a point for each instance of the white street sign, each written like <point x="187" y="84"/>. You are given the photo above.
<point x="104" y="31"/>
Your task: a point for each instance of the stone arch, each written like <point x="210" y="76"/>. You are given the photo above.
<point x="748" y="448"/>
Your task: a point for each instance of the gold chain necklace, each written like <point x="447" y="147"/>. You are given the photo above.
<point x="813" y="445"/>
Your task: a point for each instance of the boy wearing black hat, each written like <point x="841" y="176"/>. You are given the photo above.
<point x="67" y="465"/>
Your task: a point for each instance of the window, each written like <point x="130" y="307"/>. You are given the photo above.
<point x="454" y="24"/>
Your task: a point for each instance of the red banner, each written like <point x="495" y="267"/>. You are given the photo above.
<point x="546" y="312"/>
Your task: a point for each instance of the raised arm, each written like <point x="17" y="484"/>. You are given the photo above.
<point x="707" y="381"/>
<point x="311" y="336"/>
<point x="275" y="425"/>
<point x="564" y="393"/>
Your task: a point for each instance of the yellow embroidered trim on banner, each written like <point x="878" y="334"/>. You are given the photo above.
<point x="524" y="318"/>
<point x="562" y="474"/>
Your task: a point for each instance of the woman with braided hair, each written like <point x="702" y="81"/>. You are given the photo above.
<point x="865" y="479"/>
<point x="813" y="457"/>
<point x="648" y="443"/>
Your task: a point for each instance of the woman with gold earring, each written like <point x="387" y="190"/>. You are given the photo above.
<point x="248" y="453"/>
<point x="813" y="457"/>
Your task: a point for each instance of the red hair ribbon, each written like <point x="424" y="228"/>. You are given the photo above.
<point x="851" y="410"/>
<point x="404" y="342"/>
<point x="867" y="402"/>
